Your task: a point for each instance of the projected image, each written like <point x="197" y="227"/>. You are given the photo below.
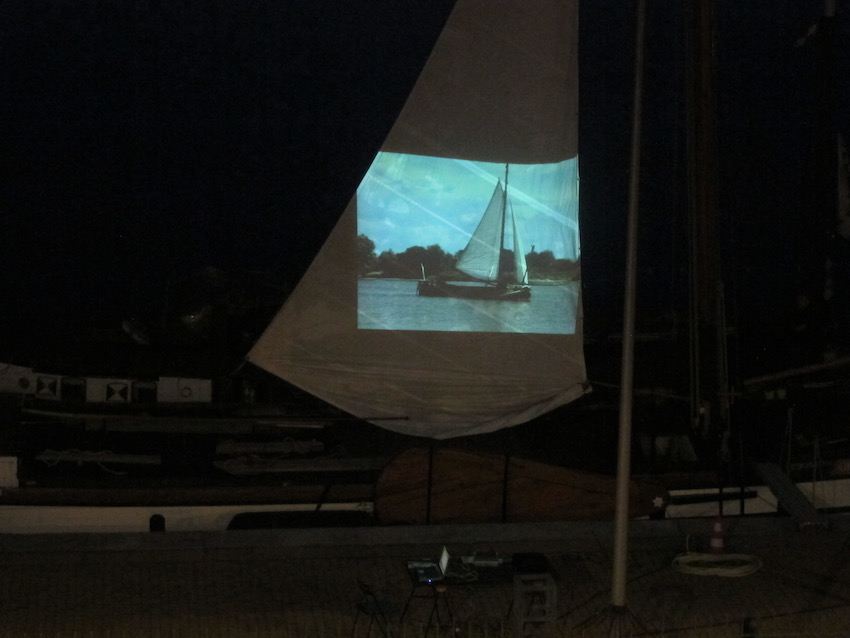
<point x="453" y="245"/>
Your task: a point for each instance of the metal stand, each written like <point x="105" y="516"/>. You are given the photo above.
<point x="436" y="592"/>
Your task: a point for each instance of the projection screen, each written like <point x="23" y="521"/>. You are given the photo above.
<point x="447" y="299"/>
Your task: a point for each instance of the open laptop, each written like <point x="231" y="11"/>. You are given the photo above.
<point x="429" y="571"/>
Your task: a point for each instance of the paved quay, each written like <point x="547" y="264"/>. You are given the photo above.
<point x="775" y="580"/>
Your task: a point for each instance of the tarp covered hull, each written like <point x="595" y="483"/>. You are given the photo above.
<point x="431" y="485"/>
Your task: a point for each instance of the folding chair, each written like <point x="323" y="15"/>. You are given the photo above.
<point x="376" y="608"/>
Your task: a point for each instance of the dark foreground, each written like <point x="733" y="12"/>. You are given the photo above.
<point x="302" y="583"/>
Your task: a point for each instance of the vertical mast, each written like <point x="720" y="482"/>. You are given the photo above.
<point x="504" y="217"/>
<point x="621" y="516"/>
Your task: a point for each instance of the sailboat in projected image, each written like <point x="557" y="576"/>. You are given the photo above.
<point x="483" y="261"/>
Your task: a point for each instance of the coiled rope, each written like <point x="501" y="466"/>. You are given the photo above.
<point x="728" y="565"/>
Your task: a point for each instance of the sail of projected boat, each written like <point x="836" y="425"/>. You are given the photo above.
<point x="487" y="269"/>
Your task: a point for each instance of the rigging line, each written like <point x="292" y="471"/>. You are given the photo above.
<point x="593" y="597"/>
<point x="415" y="203"/>
<point x="526" y="198"/>
<point x="714" y="625"/>
<point x="820" y="591"/>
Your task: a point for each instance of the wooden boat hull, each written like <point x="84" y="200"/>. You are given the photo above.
<point x="435" y="485"/>
<point x="487" y="293"/>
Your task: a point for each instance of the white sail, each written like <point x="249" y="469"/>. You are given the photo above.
<point x="480" y="258"/>
<point x="500" y="86"/>
<point x="520" y="266"/>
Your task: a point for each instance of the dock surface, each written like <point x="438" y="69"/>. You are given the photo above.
<point x="302" y="583"/>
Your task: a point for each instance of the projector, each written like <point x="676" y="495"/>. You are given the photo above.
<point x="487" y="561"/>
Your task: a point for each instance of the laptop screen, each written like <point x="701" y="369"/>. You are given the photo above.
<point x="444" y="560"/>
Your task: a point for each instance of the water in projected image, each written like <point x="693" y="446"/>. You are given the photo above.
<point x="392" y="304"/>
<point x="454" y="245"/>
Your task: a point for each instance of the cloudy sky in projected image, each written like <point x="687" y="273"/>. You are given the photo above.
<point x="411" y="200"/>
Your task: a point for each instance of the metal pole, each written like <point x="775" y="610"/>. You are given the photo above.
<point x="621" y="516"/>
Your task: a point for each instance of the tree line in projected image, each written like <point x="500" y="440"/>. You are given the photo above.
<point x="542" y="266"/>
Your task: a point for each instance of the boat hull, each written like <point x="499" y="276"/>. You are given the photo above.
<point x="428" y="485"/>
<point x="485" y="292"/>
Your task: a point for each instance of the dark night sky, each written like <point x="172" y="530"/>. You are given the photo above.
<point x="143" y="141"/>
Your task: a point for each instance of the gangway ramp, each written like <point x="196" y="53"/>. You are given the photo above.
<point x="790" y="497"/>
